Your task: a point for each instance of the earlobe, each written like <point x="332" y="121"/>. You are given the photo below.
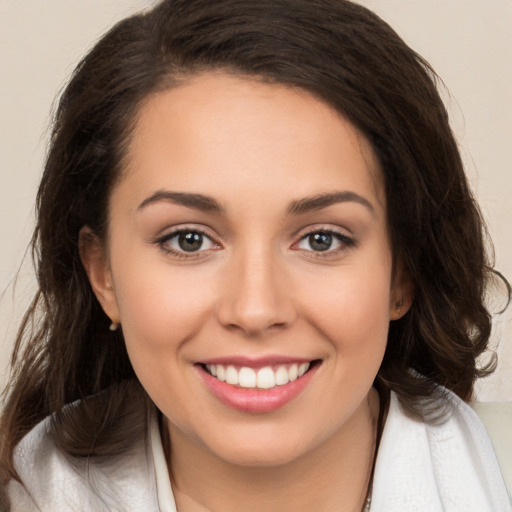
<point x="402" y="295"/>
<point x="94" y="259"/>
<point x="398" y="309"/>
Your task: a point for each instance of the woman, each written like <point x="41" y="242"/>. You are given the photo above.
<point x="261" y="276"/>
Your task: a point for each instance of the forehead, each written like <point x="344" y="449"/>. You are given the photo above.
<point x="216" y="130"/>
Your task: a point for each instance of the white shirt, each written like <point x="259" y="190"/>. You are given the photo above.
<point x="449" y="467"/>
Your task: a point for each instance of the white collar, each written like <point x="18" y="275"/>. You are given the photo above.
<point x="420" y="467"/>
<point x="166" y="501"/>
<point x="449" y="466"/>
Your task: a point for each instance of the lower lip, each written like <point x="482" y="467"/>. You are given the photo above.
<point x="256" y="400"/>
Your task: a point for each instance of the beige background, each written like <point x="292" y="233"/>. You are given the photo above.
<point x="469" y="43"/>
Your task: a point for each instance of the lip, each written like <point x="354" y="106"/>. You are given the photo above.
<point x="255" y="362"/>
<point x="252" y="400"/>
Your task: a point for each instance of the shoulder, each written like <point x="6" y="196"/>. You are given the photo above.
<point x="53" y="481"/>
<point x="42" y="469"/>
<point x="448" y="464"/>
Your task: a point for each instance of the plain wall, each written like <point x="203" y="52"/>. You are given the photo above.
<point x="468" y="42"/>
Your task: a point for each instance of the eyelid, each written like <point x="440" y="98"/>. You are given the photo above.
<point x="162" y="240"/>
<point x="346" y="241"/>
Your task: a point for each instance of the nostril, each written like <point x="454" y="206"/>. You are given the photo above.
<point x="254" y="319"/>
<point x="255" y="299"/>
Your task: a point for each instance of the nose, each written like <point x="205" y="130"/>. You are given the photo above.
<point x="256" y="298"/>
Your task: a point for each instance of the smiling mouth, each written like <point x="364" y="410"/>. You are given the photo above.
<point x="267" y="377"/>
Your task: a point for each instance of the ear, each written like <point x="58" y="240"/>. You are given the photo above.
<point x="95" y="261"/>
<point x="402" y="293"/>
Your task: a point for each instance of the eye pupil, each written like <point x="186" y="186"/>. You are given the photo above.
<point x="190" y="241"/>
<point x="320" y="241"/>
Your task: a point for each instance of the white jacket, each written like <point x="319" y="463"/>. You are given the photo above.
<point x="450" y="467"/>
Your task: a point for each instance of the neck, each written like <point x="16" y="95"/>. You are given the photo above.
<point x="335" y="475"/>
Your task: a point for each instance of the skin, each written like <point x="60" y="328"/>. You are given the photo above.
<point x="255" y="288"/>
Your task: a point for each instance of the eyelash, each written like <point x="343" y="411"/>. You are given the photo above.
<point x="163" y="243"/>
<point x="345" y="242"/>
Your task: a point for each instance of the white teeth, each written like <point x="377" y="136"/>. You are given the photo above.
<point x="221" y="373"/>
<point x="231" y="375"/>
<point x="303" y="368"/>
<point x="293" y="372"/>
<point x="247" y="378"/>
<point x="264" y="378"/>
<point x="282" y="376"/>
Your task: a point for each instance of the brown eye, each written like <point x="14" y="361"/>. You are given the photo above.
<point x="186" y="241"/>
<point x="320" y="241"/>
<point x="190" y="241"/>
<point x="325" y="241"/>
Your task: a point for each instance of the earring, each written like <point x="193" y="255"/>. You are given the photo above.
<point x="114" y="326"/>
<point x="398" y="307"/>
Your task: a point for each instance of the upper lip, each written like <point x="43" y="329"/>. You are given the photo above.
<point x="256" y="362"/>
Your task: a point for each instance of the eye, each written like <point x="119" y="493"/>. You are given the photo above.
<point x="323" y="241"/>
<point x="186" y="241"/>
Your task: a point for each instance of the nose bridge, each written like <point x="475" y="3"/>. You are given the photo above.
<point x="255" y="296"/>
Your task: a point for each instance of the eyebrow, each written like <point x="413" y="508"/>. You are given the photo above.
<point x="197" y="201"/>
<point x="320" y="201"/>
<point x="299" y="207"/>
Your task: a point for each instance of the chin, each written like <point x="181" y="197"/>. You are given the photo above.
<point x="270" y="448"/>
<point x="261" y="457"/>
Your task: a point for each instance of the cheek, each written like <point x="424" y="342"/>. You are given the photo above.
<point x="350" y="308"/>
<point x="160" y="310"/>
<point x="352" y="303"/>
<point x="357" y="333"/>
<point x="160" y="306"/>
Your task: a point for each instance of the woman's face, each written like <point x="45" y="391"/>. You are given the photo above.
<point x="248" y="242"/>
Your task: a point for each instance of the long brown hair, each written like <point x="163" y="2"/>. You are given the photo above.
<point x="336" y="50"/>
